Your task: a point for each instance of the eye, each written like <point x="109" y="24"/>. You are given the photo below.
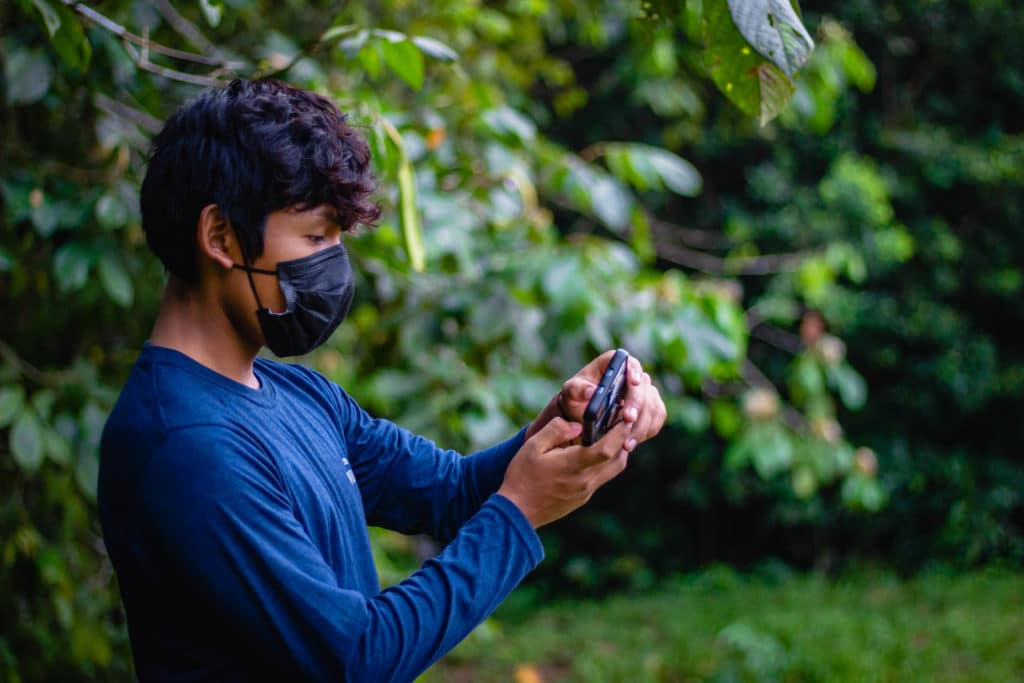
<point x="316" y="239"/>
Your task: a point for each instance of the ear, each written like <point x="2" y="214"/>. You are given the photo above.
<point x="215" y="237"/>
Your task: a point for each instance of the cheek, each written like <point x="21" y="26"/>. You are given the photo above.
<point x="270" y="293"/>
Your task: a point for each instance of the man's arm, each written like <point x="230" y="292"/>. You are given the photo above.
<point x="410" y="485"/>
<point x="223" y="525"/>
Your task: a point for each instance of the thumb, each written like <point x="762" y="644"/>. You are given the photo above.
<point x="578" y="389"/>
<point x="555" y="433"/>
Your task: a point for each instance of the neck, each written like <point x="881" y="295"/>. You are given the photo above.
<point x="193" y="322"/>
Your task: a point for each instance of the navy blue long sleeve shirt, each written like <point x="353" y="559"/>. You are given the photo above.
<point x="236" y="520"/>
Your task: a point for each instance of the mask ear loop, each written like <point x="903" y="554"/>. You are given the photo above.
<point x="249" y="270"/>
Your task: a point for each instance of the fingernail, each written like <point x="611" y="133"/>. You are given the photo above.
<point x="631" y="444"/>
<point x="631" y="412"/>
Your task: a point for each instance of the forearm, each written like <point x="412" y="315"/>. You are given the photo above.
<point x="414" y="623"/>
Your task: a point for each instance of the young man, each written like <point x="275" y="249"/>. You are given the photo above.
<point x="235" y="491"/>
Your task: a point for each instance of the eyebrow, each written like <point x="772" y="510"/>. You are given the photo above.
<point x="329" y="214"/>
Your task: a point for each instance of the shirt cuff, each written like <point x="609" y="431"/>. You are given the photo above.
<point x="520" y="524"/>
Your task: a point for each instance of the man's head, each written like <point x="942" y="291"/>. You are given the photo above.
<point x="251" y="149"/>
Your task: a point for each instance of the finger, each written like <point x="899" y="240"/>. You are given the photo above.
<point x="555" y="433"/>
<point x="577" y="389"/>
<point x="635" y="371"/>
<point x="605" y="472"/>
<point x="608" y="446"/>
<point x="595" y="368"/>
<point x="652" y="416"/>
<point x="633" y="401"/>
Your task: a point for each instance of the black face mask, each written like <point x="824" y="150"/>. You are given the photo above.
<point x="317" y="293"/>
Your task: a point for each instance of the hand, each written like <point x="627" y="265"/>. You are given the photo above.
<point x="548" y="481"/>
<point x="642" y="407"/>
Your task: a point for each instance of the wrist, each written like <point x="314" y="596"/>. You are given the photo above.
<point x="520" y="505"/>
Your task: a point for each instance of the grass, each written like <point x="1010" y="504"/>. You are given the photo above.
<point x="722" y="626"/>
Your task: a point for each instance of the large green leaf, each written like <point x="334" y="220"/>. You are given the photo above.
<point x="435" y="48"/>
<point x="405" y="60"/>
<point x="750" y="81"/>
<point x="648" y="167"/>
<point x="773" y="28"/>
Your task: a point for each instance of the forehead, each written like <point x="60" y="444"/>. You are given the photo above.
<point x="299" y="218"/>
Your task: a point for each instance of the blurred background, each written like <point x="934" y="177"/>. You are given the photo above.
<point x="815" y="250"/>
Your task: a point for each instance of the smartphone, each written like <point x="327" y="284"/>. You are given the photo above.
<point x="603" y="410"/>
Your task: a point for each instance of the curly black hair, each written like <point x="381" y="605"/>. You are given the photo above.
<point x="251" y="148"/>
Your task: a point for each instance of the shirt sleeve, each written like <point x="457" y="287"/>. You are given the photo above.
<point x="410" y="485"/>
<point x="221" y="524"/>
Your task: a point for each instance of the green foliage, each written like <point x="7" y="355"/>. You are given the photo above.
<point x="772" y="626"/>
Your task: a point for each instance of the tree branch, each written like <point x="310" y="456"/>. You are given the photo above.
<point x="185" y="28"/>
<point x="702" y="239"/>
<point x="776" y="336"/>
<point x="30" y="371"/>
<point x="145" y="121"/>
<point x="715" y="265"/>
<point x="142" y="59"/>
<point x="144" y="42"/>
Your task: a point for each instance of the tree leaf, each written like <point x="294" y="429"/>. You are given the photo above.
<point x="26" y="441"/>
<point x="773" y="451"/>
<point x="610" y="202"/>
<point x="646" y="166"/>
<point x="729" y="59"/>
<point x="405" y="60"/>
<point x="757" y="86"/>
<point x="505" y="120"/>
<point x="852" y="388"/>
<point x="49" y="16"/>
<point x="337" y="31"/>
<point x="773" y="28"/>
<point x="435" y="49"/>
<point x="28" y="76"/>
<point x="775" y="91"/>
<point x="411" y="229"/>
<point x="212" y="11"/>
<point x="408" y="210"/>
<point x="87" y="471"/>
<point x="678" y="174"/>
<point x="57" y="447"/>
<point x="115" y="280"/>
<point x="111" y="211"/>
<point x="12" y="400"/>
<point x="70" y="41"/>
<point x="45" y="218"/>
<point x="71" y="265"/>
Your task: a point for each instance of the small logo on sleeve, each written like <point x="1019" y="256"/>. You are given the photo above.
<point x="348" y="470"/>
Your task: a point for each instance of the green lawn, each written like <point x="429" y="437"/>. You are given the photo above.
<point x="723" y="626"/>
